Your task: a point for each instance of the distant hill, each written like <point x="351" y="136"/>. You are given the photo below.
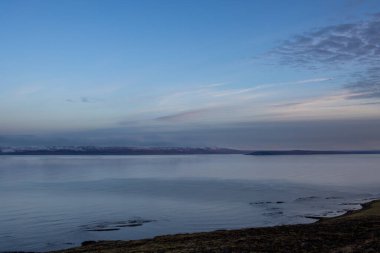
<point x="93" y="150"/>
<point x="313" y="152"/>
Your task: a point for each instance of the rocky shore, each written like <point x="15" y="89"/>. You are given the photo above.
<point x="355" y="231"/>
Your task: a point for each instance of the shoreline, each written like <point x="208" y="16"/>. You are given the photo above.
<point x="353" y="231"/>
<point x="366" y="206"/>
<point x="363" y="208"/>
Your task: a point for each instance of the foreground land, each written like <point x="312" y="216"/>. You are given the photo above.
<point x="356" y="231"/>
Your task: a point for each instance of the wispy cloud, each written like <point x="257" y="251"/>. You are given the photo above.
<point x="326" y="100"/>
<point x="366" y="85"/>
<point x="221" y="92"/>
<point x="341" y="45"/>
<point x="84" y="100"/>
<point x="221" y="103"/>
<point x="184" y="116"/>
<point x="297" y="82"/>
<point x="315" y="80"/>
<point x="334" y="44"/>
<point x="333" y="106"/>
<point x="202" y="97"/>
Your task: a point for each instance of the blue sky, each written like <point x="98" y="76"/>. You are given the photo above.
<point x="148" y="73"/>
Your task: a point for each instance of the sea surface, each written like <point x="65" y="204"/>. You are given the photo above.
<point x="56" y="202"/>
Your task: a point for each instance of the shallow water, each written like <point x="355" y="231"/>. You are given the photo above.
<point x="55" y="202"/>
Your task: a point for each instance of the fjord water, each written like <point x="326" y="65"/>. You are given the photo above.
<point x="53" y="202"/>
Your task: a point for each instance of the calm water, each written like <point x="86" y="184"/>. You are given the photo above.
<point x="55" y="202"/>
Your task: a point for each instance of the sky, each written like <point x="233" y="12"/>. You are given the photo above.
<point x="241" y="74"/>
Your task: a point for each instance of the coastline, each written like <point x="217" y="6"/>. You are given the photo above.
<point x="353" y="231"/>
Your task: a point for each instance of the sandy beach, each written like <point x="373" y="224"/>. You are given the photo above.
<point x="355" y="231"/>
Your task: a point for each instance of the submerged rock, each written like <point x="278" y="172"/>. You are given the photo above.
<point x="266" y="202"/>
<point x="114" y="226"/>
<point x="275" y="213"/>
<point x="307" y="198"/>
<point x="333" y="197"/>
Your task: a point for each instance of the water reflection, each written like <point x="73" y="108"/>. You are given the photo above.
<point x="47" y="201"/>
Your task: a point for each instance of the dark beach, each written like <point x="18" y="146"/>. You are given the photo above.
<point x="355" y="231"/>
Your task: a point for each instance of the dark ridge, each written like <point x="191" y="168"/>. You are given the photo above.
<point x="313" y="152"/>
<point x="92" y="150"/>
